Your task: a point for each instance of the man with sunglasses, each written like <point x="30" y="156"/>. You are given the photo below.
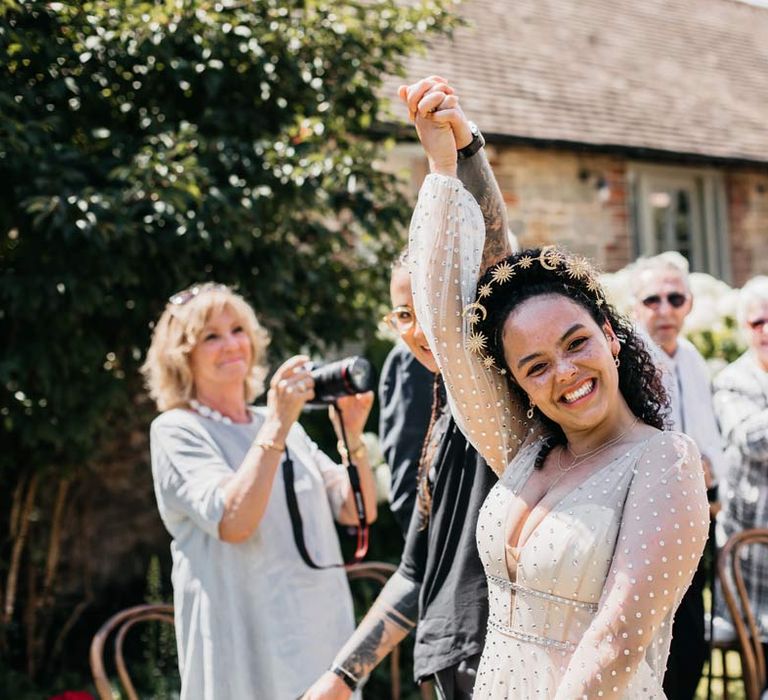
<point x="662" y="300"/>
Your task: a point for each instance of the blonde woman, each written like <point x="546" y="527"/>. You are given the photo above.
<point x="252" y="619"/>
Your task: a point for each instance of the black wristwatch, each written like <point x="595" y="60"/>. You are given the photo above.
<point x="474" y="145"/>
<point x="349" y="680"/>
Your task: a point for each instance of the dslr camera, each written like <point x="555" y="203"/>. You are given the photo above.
<point x="352" y="375"/>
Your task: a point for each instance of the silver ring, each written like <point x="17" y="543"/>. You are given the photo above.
<point x="302" y="387"/>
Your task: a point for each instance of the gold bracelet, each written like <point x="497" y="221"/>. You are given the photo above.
<point x="355" y="452"/>
<point x="270" y="445"/>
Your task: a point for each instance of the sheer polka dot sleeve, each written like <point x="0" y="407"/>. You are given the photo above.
<point x="662" y="536"/>
<point x="446" y="244"/>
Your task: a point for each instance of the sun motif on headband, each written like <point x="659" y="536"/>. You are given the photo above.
<point x="572" y="268"/>
<point x="503" y="273"/>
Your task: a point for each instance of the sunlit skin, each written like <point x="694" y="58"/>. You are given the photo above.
<point x="553" y="348"/>
<point x="220" y="363"/>
<point x="758" y="337"/>
<point x="665" y="323"/>
<point x="402" y="295"/>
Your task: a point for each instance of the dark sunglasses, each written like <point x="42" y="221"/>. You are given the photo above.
<point x="185" y="295"/>
<point x="675" y="299"/>
<point x="758" y="324"/>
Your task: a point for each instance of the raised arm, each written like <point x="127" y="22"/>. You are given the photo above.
<point x="473" y="170"/>
<point x="476" y="174"/>
<point x="447" y="240"/>
<point x="662" y="536"/>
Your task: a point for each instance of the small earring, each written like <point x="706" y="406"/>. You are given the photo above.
<point x="616" y="361"/>
<point x="529" y="413"/>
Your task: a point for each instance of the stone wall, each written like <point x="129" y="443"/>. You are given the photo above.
<point x="582" y="202"/>
<point x="747" y="195"/>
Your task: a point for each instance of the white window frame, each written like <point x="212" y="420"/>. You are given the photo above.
<point x="710" y="238"/>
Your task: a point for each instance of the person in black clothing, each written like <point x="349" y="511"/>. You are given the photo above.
<point x="439" y="587"/>
<point x="405" y="396"/>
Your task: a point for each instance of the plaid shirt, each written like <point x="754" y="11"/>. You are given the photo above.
<point x="741" y="406"/>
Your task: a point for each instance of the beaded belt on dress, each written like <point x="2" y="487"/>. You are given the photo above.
<point x="533" y="638"/>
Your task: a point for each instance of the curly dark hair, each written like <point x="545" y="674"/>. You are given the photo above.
<point x="640" y="380"/>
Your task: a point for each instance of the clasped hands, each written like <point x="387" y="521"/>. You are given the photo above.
<point x="433" y="106"/>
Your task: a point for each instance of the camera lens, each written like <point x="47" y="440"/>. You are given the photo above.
<point x="359" y="373"/>
<point x="352" y="375"/>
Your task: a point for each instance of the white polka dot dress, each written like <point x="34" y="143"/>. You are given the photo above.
<point x="588" y="610"/>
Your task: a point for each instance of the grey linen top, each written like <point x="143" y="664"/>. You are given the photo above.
<point x="252" y="620"/>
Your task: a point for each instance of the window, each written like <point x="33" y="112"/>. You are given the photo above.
<point x="681" y="209"/>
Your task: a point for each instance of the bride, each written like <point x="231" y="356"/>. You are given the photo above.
<point x="593" y="532"/>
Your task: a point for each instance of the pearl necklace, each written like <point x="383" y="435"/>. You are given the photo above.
<point x="208" y="412"/>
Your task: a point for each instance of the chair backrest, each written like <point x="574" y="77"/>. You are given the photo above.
<point x="121" y="623"/>
<point x="729" y="563"/>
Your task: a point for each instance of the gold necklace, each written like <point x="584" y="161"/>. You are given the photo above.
<point x="584" y="456"/>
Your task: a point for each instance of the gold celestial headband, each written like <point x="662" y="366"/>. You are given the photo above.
<point x="572" y="267"/>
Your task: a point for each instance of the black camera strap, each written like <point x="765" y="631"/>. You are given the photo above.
<point x="354" y="480"/>
<point x="297" y="524"/>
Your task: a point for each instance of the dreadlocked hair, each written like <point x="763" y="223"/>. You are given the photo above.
<point x="640" y="381"/>
<point x="424" y="491"/>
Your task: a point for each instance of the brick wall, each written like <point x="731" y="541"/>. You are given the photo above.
<point x="582" y="201"/>
<point x="747" y="196"/>
<point x="576" y="200"/>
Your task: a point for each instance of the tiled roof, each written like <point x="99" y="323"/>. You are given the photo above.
<point x="684" y="76"/>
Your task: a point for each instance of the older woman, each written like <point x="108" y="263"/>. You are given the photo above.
<point x="741" y="405"/>
<point x="252" y="619"/>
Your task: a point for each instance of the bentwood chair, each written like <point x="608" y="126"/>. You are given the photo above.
<point x="729" y="569"/>
<point x="122" y="622"/>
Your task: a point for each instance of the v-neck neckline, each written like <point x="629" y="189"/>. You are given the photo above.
<point x="556" y="506"/>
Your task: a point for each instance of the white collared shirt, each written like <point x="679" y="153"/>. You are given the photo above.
<point x="687" y="381"/>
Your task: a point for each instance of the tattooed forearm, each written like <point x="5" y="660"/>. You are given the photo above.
<point x="387" y="623"/>
<point x="477" y="176"/>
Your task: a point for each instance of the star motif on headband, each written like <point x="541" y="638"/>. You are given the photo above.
<point x="487" y="362"/>
<point x="525" y="262"/>
<point x="476" y="342"/>
<point x="578" y="268"/>
<point x="593" y="285"/>
<point x="473" y="318"/>
<point x="484" y="291"/>
<point x="503" y="273"/>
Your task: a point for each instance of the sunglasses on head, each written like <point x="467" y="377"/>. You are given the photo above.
<point x="675" y="300"/>
<point x="758" y="324"/>
<point x="185" y="295"/>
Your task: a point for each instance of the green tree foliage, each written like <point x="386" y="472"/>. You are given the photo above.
<point x="148" y="145"/>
